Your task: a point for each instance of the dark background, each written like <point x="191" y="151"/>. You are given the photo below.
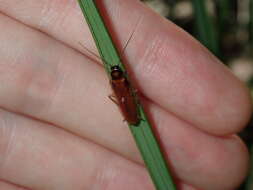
<point x="225" y="27"/>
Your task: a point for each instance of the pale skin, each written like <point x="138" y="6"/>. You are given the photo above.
<point x="58" y="128"/>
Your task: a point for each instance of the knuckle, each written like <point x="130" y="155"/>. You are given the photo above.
<point x="36" y="83"/>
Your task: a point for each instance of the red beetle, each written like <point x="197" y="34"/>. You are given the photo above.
<point x="124" y="96"/>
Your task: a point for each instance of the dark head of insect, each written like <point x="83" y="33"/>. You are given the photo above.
<point x="116" y="73"/>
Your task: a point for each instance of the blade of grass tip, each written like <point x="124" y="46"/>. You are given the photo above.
<point x="249" y="183"/>
<point x="142" y="132"/>
<point x="205" y="27"/>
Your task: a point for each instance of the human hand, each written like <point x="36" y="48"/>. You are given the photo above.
<point x="60" y="131"/>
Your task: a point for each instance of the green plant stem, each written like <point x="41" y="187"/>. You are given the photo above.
<point x="205" y="27"/>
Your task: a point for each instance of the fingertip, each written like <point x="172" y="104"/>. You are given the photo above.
<point x="239" y="164"/>
<point x="243" y="111"/>
<point x="233" y="112"/>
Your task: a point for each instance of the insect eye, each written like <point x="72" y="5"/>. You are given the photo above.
<point x="116" y="72"/>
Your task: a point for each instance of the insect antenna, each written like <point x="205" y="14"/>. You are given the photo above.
<point x="131" y="36"/>
<point x="91" y="53"/>
<point x="98" y="58"/>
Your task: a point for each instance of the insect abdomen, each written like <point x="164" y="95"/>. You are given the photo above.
<point x="126" y="100"/>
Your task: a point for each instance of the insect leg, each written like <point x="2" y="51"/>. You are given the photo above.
<point x="113" y="99"/>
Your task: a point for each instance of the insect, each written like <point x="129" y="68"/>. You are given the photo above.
<point x="124" y="95"/>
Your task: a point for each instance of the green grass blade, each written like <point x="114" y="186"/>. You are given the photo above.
<point x="142" y="133"/>
<point x="225" y="22"/>
<point x="106" y="48"/>
<point x="224" y="15"/>
<point x="205" y="27"/>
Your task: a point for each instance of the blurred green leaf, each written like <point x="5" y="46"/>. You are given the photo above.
<point x="205" y="26"/>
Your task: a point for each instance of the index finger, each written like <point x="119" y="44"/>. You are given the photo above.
<point x="170" y="67"/>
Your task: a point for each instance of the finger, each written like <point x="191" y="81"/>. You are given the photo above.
<point x="217" y="163"/>
<point x="35" y="95"/>
<point x="179" y="73"/>
<point x="41" y="156"/>
<point x="8" y="186"/>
